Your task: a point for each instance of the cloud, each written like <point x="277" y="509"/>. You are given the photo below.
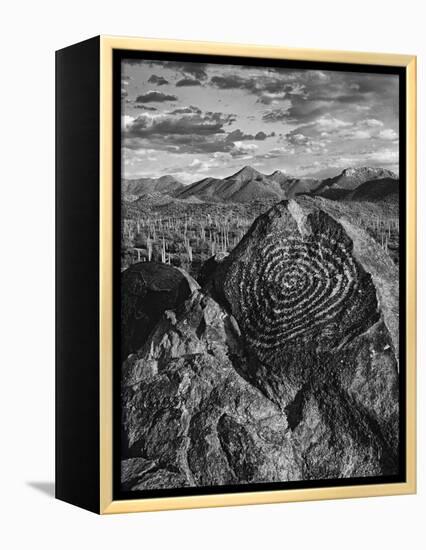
<point x="232" y="82"/>
<point x="329" y="123"/>
<point x="303" y="143"/>
<point x="384" y="156"/>
<point x="275" y="115"/>
<point x="198" y="166"/>
<point x="188" y="82"/>
<point x="155" y="97"/>
<point x="268" y="98"/>
<point x="373" y="122"/>
<point x="268" y="89"/>
<point x="196" y="70"/>
<point x="238" y="135"/>
<point x="321" y="166"/>
<point x="185" y="110"/>
<point x="184" y="130"/>
<point x="326" y="129"/>
<point x="145" y="107"/>
<point x="159" y="80"/>
<point x="278" y="152"/>
<point x="194" y="123"/>
<point x="189" y="130"/>
<point x="245" y="147"/>
<point x="187" y="69"/>
<point x="318" y="92"/>
<point x="126" y="120"/>
<point x="388" y="135"/>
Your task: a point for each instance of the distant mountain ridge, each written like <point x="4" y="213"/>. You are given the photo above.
<point x="248" y="184"/>
<point x="142" y="186"/>
<point x="351" y="178"/>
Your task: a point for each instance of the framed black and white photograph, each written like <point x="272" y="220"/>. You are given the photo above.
<point x="254" y="246"/>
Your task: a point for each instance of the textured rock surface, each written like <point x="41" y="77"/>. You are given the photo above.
<point x="148" y="289"/>
<point x="283" y="367"/>
<point x="189" y="418"/>
<point x="316" y="302"/>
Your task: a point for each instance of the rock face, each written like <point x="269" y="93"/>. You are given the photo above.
<point x="283" y="367"/>
<point x="189" y="419"/>
<point x="316" y="302"/>
<point x="148" y="289"/>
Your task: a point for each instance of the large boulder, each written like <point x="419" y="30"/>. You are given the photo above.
<point x="189" y="419"/>
<point x="316" y="300"/>
<point x="147" y="290"/>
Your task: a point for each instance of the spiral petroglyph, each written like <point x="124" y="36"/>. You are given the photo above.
<point x="299" y="286"/>
<point x="302" y="286"/>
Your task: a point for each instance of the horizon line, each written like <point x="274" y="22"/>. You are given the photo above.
<point x="283" y="171"/>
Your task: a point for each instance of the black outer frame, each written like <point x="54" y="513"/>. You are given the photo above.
<point x="77" y="425"/>
<point x="401" y="72"/>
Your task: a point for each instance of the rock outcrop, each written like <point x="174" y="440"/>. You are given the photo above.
<point x="147" y="290"/>
<point x="189" y="419"/>
<point x="284" y="366"/>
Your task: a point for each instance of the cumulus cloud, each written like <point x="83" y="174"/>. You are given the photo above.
<point x="180" y="124"/>
<point x="189" y="130"/>
<point x="155" y="97"/>
<point x="158" y="80"/>
<point x="126" y="120"/>
<point x="189" y="69"/>
<point x="388" y="135"/>
<point x="188" y="82"/>
<point x="246" y="147"/>
<point x="277" y="152"/>
<point x="238" y="135"/>
<point x="275" y="115"/>
<point x="145" y="107"/>
<point x="184" y="130"/>
<point x="328" y="129"/>
<point x="268" y="89"/>
<point x="185" y="110"/>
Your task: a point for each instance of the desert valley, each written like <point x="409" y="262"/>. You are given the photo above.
<point x="166" y="221"/>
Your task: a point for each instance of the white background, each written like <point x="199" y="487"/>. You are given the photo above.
<point x="29" y="34"/>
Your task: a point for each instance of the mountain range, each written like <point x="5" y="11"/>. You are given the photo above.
<point x="248" y="184"/>
<point x="165" y="185"/>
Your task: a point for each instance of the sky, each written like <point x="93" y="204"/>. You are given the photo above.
<point x="193" y="120"/>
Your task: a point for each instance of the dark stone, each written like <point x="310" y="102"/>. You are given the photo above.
<point x="209" y="267"/>
<point x="148" y="289"/>
<point x="316" y="302"/>
<point x="186" y="409"/>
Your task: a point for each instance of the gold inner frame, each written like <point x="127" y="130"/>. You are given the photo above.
<point x="107" y="504"/>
